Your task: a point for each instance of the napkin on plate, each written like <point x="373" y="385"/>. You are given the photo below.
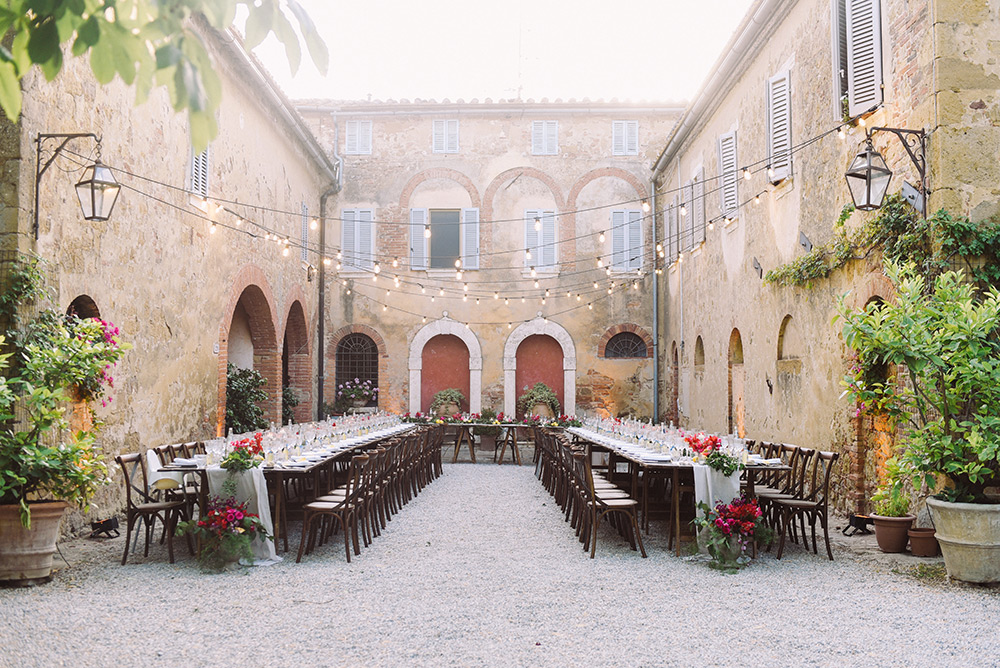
<point x="184" y="461"/>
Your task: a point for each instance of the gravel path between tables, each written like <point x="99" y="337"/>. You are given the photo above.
<point x="481" y="570"/>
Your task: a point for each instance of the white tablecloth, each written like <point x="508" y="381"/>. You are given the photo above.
<point x="711" y="487"/>
<point x="251" y="487"/>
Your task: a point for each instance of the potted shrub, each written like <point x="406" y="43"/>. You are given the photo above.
<point x="487" y="435"/>
<point x="356" y="393"/>
<point x="891" y="512"/>
<point x="43" y="466"/>
<point x="447" y="402"/>
<point x="947" y="338"/>
<point x="539" y="400"/>
<point x="243" y="398"/>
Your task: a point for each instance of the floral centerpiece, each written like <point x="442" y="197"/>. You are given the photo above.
<point x="709" y="448"/>
<point x="356" y="392"/>
<point x="244" y="454"/>
<point x="224" y="533"/>
<point x="729" y="529"/>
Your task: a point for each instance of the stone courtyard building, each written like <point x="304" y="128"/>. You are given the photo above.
<point x="742" y="355"/>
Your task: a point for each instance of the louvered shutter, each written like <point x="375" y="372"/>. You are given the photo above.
<point x="547" y="252"/>
<point x="840" y="46"/>
<point x="686" y="239"/>
<point x="779" y="126"/>
<point x="632" y="137"/>
<point x="698" y="224"/>
<point x="418" y="243"/>
<point x="618" y="241"/>
<point x="305" y="232"/>
<point x="351" y="143"/>
<point x="470" y="238"/>
<point x="864" y="56"/>
<point x="730" y="178"/>
<point x="538" y="137"/>
<point x="451" y="136"/>
<point x="618" y="137"/>
<point x="366" y="239"/>
<point x="349" y="237"/>
<point x="634" y="251"/>
<point x="673" y="231"/>
<point x="365" y="137"/>
<point x="551" y="137"/>
<point x="438" y="139"/>
<point x="199" y="173"/>
<point x="531" y="237"/>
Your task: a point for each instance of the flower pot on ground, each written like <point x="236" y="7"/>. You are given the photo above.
<point x="538" y="400"/>
<point x="969" y="535"/>
<point x="891" y="514"/>
<point x="447" y="402"/>
<point x="923" y="543"/>
<point x="891" y="532"/>
<point x="26" y="554"/>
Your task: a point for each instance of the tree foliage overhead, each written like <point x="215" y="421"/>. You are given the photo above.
<point x="145" y="42"/>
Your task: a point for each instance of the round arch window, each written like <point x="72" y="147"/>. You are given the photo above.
<point x="625" y="345"/>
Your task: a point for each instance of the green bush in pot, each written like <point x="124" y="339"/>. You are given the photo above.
<point x="539" y="394"/>
<point x="445" y="397"/>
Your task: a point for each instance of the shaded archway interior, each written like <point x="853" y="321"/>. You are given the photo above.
<point x="83" y="307"/>
<point x="295" y="362"/>
<point x="737" y="385"/>
<point x="540" y="360"/>
<point x="253" y="312"/>
<point x="445" y="362"/>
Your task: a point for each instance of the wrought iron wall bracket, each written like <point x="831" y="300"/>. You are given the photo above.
<point x="40" y="168"/>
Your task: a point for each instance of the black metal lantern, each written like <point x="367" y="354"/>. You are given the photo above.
<point x="98" y="191"/>
<point x="868" y="178"/>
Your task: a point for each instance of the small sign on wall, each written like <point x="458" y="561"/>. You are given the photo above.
<point x="215" y="348"/>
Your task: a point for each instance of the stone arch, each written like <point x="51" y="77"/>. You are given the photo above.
<point x="594" y="174"/>
<point x="438" y="173"/>
<point x="625" y="327"/>
<point x="83" y="307"/>
<point x="446" y="326"/>
<point x="516" y="172"/>
<point x="388" y="399"/>
<point x="736" y="420"/>
<point x="789" y="340"/>
<point x="296" y="360"/>
<point x="521" y="332"/>
<point x="251" y="288"/>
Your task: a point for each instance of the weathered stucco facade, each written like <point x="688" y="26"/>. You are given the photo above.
<point x="395" y="174"/>
<point x="741" y="354"/>
<point x="156" y="268"/>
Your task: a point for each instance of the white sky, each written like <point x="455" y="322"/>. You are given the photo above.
<point x="656" y="50"/>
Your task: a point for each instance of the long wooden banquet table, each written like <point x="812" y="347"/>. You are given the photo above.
<point x="651" y="461"/>
<point x="508" y="438"/>
<point x="306" y="465"/>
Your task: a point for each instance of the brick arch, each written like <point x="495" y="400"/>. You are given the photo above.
<point x="438" y="173"/>
<point x="515" y="172"/>
<point x="594" y="174"/>
<point x="259" y="304"/>
<point x="875" y="284"/>
<point x="389" y="397"/>
<point x="296" y="360"/>
<point x="626" y="327"/>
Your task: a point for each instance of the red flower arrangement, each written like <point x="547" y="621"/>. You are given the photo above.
<point x="728" y="530"/>
<point x="245" y="454"/>
<point x="225" y="532"/>
<point x="702" y="444"/>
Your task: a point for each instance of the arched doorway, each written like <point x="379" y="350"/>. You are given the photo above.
<point x="538" y="326"/>
<point x="80" y="416"/>
<point x="474" y="363"/>
<point x="539" y="359"/>
<point x="296" y="363"/>
<point x="357" y="357"/>
<point x="737" y="384"/>
<point x="445" y="365"/>
<point x="248" y="339"/>
<point x="83" y="307"/>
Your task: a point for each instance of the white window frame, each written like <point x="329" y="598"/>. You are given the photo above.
<point x="729" y="175"/>
<point x="626" y="230"/>
<point x="358" y="138"/>
<point x="545" y="137"/>
<point x="468" y="238"/>
<point x="779" y="125"/>
<point x="444" y="136"/>
<point x="625" y="138"/>
<point x="352" y="226"/>
<point x="864" y="56"/>
<point x="198" y="181"/>
<point x="544" y="254"/>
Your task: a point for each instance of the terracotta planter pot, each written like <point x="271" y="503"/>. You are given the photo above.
<point x="969" y="534"/>
<point x="488" y="441"/>
<point x="890" y="532"/>
<point x="26" y="554"/>
<point x="448" y="409"/>
<point x="359" y="403"/>
<point x="542" y="410"/>
<point x="923" y="543"/>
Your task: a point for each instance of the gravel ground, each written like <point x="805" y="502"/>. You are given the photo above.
<point x="481" y="570"/>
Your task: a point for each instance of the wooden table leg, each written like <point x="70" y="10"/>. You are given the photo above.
<point x="675" y="497"/>
<point x="458" y="444"/>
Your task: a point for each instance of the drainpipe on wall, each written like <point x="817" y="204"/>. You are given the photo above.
<point x="656" y="311"/>
<point x="321" y="327"/>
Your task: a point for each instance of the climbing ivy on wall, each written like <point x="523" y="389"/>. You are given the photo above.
<point x="935" y="245"/>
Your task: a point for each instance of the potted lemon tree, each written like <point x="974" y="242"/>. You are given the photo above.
<point x="946" y="335"/>
<point x="44" y="467"/>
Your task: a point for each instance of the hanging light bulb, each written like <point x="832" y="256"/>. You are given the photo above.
<point x="536" y="284"/>
<point x="600" y="263"/>
<point x="578" y="297"/>
<point x="441" y="293"/>
<point x="458" y="275"/>
<point x="861" y="122"/>
<point x="590" y="307"/>
<point x="378" y="267"/>
<point x="424" y="319"/>
<point x="568" y="294"/>
<point x="327" y="261"/>
<point x="496" y="295"/>
<point x="756" y="199"/>
<point x="339" y="266"/>
<point x="374" y="278"/>
<point x="465" y="298"/>
<point x="538" y="224"/>
<point x="343" y="282"/>
<point x="596" y="285"/>
<point x="508" y="325"/>
<point x="211" y="228"/>
<point x="607" y="271"/>
<point x="384" y="307"/>
<point x="684" y="209"/>
<point x="477" y="301"/>
<point x="348" y="291"/>
<point x="313" y="224"/>
<point x="645" y="205"/>
<point x="466" y="287"/>
<point x="543" y="301"/>
<point x="284" y="251"/>
<point x="427" y="231"/>
<point x="609" y="291"/>
<point x="432" y="299"/>
<point x="841" y="133"/>
<point x="395" y="262"/>
<point x="387" y="292"/>
<point x="506" y="302"/>
<point x="601" y="237"/>
<point x="659" y="248"/>
<point x="635" y="285"/>
<point x="458" y="263"/>
<point x="546" y="292"/>
<point x="746" y="173"/>
<point x="533" y="272"/>
<point x="527" y="253"/>
<point x="770" y="172"/>
<point x="340" y="255"/>
<point x="711" y="224"/>
<point x="522" y="299"/>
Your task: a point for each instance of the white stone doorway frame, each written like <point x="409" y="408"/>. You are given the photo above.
<point x="429" y="331"/>
<point x="520" y="333"/>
